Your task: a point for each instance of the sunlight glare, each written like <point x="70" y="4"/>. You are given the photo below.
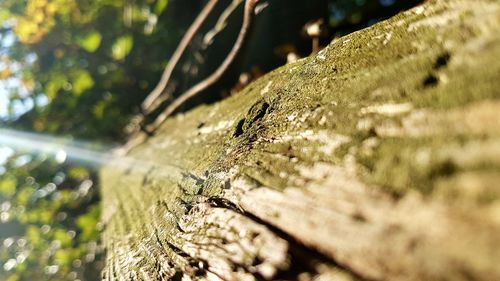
<point x="61" y="148"/>
<point x="64" y="149"/>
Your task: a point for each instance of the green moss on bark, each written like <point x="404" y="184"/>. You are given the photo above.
<point x="407" y="105"/>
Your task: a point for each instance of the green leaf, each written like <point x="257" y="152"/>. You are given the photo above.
<point x="88" y="224"/>
<point x="160" y="6"/>
<point x="24" y="195"/>
<point x="56" y="82"/>
<point x="4" y="14"/>
<point x="8" y="187"/>
<point x="78" y="173"/>
<point x="82" y="81"/>
<point x="34" y="236"/>
<point x="122" y="47"/>
<point x="62" y="236"/>
<point x="90" y="41"/>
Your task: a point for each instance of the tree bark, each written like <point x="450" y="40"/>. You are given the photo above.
<point x="376" y="159"/>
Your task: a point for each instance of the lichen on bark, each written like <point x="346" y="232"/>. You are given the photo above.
<point x="376" y="159"/>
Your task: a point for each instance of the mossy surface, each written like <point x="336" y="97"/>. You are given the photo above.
<point x="409" y="104"/>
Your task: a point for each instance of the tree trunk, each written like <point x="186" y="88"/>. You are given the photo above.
<point x="376" y="159"/>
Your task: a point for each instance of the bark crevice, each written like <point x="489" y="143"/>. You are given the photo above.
<point x="375" y="159"/>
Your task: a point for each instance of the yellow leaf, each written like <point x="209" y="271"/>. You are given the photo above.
<point x="5" y="73"/>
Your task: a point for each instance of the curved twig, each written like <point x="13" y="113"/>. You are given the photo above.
<point x="150" y="104"/>
<point x="214" y="77"/>
<point x="221" y="23"/>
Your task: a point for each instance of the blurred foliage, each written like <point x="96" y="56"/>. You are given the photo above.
<point x="81" y="68"/>
<point x="84" y="65"/>
<point x="49" y="219"/>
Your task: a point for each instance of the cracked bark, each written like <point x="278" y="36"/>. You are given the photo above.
<point x="376" y="159"/>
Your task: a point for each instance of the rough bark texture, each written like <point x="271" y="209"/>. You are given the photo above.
<point x="376" y="159"/>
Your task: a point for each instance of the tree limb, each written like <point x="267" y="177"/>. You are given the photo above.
<point x="214" y="77"/>
<point x="149" y="103"/>
<point x="377" y="158"/>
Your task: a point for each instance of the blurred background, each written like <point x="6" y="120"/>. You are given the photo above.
<point x="74" y="73"/>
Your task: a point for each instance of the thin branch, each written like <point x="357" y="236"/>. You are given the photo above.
<point x="149" y="103"/>
<point x="221" y="22"/>
<point x="214" y="77"/>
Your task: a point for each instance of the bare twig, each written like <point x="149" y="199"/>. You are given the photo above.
<point x="149" y="103"/>
<point x="214" y="77"/>
<point x="221" y="23"/>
